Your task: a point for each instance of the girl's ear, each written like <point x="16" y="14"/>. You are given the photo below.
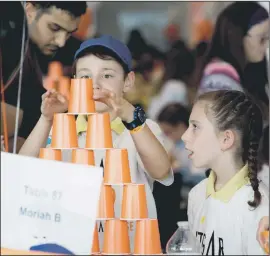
<point x="227" y="140"/>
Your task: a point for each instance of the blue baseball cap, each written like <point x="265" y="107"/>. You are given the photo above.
<point x="110" y="43"/>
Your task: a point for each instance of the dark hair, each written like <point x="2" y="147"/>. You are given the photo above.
<point x="75" y="8"/>
<point x="231" y="109"/>
<point x="174" y="114"/>
<point x="200" y="49"/>
<point x="102" y="53"/>
<point x="137" y="44"/>
<point x="231" y="27"/>
<point x="179" y="64"/>
<point x="255" y="79"/>
<point x="144" y="64"/>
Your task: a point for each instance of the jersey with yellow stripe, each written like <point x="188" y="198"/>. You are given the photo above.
<point x="223" y="221"/>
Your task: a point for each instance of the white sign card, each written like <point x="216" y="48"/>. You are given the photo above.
<point x="48" y="205"/>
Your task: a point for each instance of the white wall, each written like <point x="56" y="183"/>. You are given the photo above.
<point x="118" y="18"/>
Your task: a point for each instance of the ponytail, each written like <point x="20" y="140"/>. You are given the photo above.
<point x="253" y="172"/>
<point x="252" y="157"/>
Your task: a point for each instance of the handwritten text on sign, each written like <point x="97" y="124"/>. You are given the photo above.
<point x="48" y="202"/>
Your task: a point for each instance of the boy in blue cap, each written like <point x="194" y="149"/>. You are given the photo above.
<point x="108" y="63"/>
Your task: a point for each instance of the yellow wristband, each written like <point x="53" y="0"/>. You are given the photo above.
<point x="137" y="129"/>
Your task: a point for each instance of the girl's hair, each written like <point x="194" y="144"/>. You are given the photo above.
<point x="231" y="109"/>
<point x="226" y="44"/>
<point x="231" y="27"/>
<point x="174" y="114"/>
<point x="179" y="64"/>
<point x="200" y="49"/>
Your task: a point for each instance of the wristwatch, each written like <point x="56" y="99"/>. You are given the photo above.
<point x="138" y="120"/>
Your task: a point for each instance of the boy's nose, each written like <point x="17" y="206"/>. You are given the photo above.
<point x="96" y="85"/>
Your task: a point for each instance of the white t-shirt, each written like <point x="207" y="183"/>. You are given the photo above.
<point x="223" y="221"/>
<point x="263" y="175"/>
<point x="137" y="172"/>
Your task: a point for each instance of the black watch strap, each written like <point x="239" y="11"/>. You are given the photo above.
<point x="138" y="119"/>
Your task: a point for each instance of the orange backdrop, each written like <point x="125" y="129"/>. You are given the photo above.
<point x="86" y="22"/>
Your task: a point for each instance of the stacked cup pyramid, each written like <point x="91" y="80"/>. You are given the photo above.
<point x="116" y="169"/>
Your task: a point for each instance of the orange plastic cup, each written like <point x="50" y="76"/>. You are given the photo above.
<point x="106" y="203"/>
<point x="147" y="238"/>
<point x="50" y="154"/>
<point x="265" y="236"/>
<point x="64" y="86"/>
<point x="55" y="69"/>
<point x="116" y="238"/>
<point x="83" y="156"/>
<point x="116" y="169"/>
<point x="64" y="133"/>
<point x="95" y="246"/>
<point x="61" y="85"/>
<point x="50" y="83"/>
<point x="134" y="205"/>
<point x="81" y="97"/>
<point x="99" y="134"/>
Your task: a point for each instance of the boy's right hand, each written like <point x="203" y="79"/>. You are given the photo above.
<point x="53" y="102"/>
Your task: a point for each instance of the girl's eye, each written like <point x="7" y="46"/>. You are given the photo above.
<point x="194" y="126"/>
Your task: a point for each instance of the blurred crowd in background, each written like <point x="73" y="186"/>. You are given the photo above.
<point x="168" y="80"/>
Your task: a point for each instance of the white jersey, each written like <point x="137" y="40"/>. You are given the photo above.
<point x="223" y="221"/>
<point x="263" y="175"/>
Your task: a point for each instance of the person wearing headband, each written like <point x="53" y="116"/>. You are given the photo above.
<point x="236" y="56"/>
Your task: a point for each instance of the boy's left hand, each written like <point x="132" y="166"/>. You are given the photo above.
<point x="120" y="106"/>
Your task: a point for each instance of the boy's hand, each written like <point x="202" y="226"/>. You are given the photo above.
<point x="120" y="106"/>
<point x="53" y="102"/>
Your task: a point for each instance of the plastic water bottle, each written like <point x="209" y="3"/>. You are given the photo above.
<point x="49" y="139"/>
<point x="183" y="242"/>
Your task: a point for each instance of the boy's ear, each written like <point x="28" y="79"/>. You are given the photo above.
<point x="129" y="81"/>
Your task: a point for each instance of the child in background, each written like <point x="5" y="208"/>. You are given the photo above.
<point x="179" y="66"/>
<point x="173" y="120"/>
<point x="224" y="210"/>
